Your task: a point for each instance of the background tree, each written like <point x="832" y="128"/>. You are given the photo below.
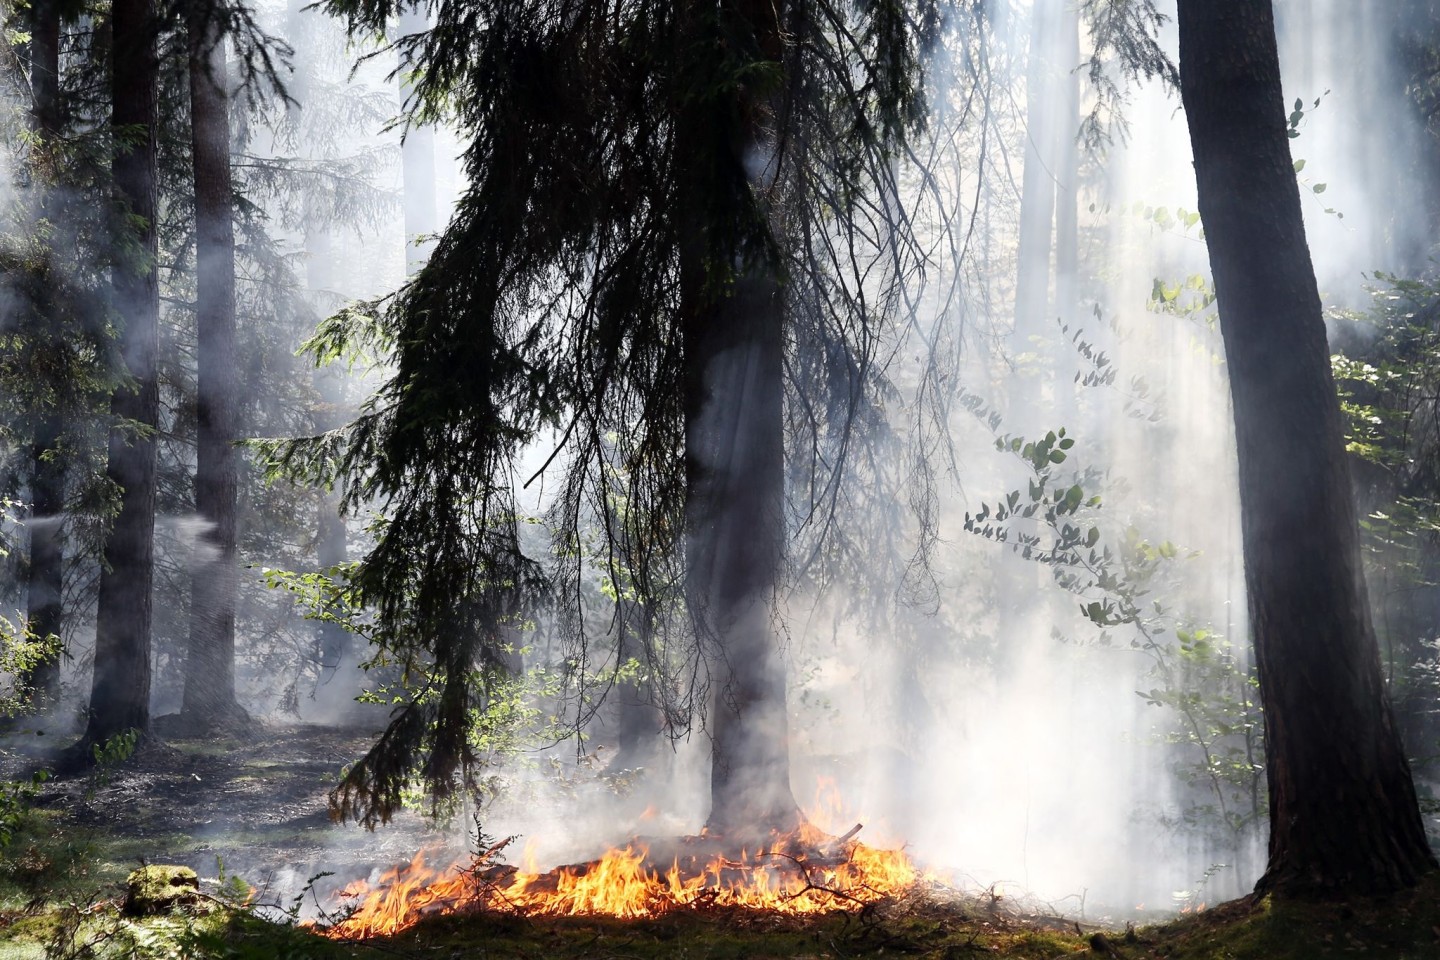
<point x="120" y="689"/>
<point x="46" y="574"/>
<point x="209" y="699"/>
<point x="1343" y="810"/>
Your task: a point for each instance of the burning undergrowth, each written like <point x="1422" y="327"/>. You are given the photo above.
<point x="807" y="871"/>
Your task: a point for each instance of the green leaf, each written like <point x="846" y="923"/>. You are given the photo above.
<point x="1299" y="165"/>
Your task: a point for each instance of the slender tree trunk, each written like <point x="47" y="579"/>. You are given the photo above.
<point x="335" y="643"/>
<point x="734" y="459"/>
<point x="1067" y="167"/>
<point x="120" y="688"/>
<point x="1037" y="197"/>
<point x="638" y="721"/>
<point x="209" y="700"/>
<point x="1343" y="815"/>
<point x="45" y="576"/>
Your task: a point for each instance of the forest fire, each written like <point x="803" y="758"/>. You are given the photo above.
<point x="808" y="871"/>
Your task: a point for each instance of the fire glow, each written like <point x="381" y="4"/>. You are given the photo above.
<point x="807" y="871"/>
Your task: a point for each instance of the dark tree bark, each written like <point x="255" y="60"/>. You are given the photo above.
<point x="120" y="688"/>
<point x="209" y="700"/>
<point x="734" y="460"/>
<point x="1343" y="814"/>
<point x="45" y="574"/>
<point x="734" y="465"/>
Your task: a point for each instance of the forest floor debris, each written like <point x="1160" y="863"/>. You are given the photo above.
<point x="259" y="807"/>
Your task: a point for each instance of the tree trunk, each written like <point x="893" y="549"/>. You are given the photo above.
<point x="335" y="644"/>
<point x="45" y="576"/>
<point x="734" y="447"/>
<point x="638" y="721"/>
<point x="1067" y="168"/>
<point x="209" y="700"/>
<point x="1343" y="814"/>
<point x="1037" y="196"/>
<point x="735" y="519"/>
<point x="120" y="688"/>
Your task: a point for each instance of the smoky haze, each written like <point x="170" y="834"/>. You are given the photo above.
<point x="990" y="712"/>
<point x="1000" y="733"/>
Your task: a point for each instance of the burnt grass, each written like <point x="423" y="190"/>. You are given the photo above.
<point x="257" y="805"/>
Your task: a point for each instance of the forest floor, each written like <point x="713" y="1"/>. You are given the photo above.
<point x="258" y="807"/>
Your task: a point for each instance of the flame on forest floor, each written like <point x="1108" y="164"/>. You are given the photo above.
<point x="784" y="876"/>
<point x="807" y="871"/>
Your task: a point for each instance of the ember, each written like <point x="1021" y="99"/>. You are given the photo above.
<point x="806" y="872"/>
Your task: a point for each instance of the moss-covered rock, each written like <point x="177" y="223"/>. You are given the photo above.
<point x="157" y="888"/>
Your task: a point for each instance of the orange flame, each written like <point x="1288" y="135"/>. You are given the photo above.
<point x="623" y="883"/>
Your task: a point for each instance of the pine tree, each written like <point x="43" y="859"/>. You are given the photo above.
<point x="1343" y="813"/>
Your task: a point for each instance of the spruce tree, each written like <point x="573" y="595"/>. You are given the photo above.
<point x="672" y="216"/>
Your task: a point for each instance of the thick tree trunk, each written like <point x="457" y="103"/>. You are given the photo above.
<point x="734" y="462"/>
<point x="1343" y="815"/>
<point x="45" y="574"/>
<point x="209" y="700"/>
<point x="734" y="466"/>
<point x="120" y="688"/>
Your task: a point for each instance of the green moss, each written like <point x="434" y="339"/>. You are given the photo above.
<point x="159" y="888"/>
<point x="1403" y="926"/>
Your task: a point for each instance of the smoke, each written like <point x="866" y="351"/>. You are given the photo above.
<point x="1009" y="738"/>
<point x="998" y="731"/>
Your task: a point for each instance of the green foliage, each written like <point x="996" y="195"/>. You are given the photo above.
<point x="16" y="799"/>
<point x="1296" y="118"/>
<point x="20" y="652"/>
<point x="107" y="756"/>
<point x="1387" y="369"/>
<point x="1119" y="580"/>
<point x="1219" y="702"/>
<point x="1124" y="41"/>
